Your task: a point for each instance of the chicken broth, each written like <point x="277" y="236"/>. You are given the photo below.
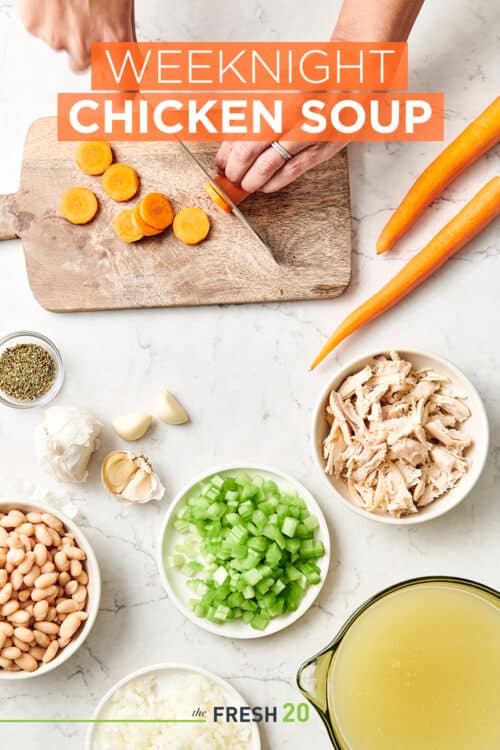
<point x="420" y="670"/>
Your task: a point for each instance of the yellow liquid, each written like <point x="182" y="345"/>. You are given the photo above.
<point x="420" y="670"/>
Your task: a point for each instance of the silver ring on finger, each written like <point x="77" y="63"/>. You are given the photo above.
<point x="286" y="155"/>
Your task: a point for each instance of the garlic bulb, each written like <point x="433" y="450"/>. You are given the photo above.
<point x="66" y="441"/>
<point x="170" y="410"/>
<point x="132" y="426"/>
<point x="130" y="477"/>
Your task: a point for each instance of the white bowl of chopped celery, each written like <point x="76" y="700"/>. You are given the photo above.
<point x="244" y="551"/>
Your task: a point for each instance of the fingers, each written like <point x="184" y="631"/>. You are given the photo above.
<point x="73" y="25"/>
<point x="305" y="160"/>
<point x="222" y="156"/>
<point x="268" y="164"/>
<point x="241" y="157"/>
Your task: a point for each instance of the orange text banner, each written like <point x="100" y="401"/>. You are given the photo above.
<point x="262" y="66"/>
<point x="214" y="117"/>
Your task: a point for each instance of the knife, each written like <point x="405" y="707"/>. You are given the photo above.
<point x="241" y="216"/>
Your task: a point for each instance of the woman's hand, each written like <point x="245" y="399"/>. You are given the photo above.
<point x="73" y="25"/>
<point x="258" y="166"/>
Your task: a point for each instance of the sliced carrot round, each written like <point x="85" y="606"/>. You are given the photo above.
<point x="191" y="225"/>
<point x="126" y="228"/>
<point x="94" y="157"/>
<point x="142" y="226"/>
<point x="120" y="182"/>
<point x="217" y="198"/>
<point x="78" y="205"/>
<point x="156" y="210"/>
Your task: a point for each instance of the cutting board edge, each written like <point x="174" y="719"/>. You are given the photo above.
<point x="319" y="297"/>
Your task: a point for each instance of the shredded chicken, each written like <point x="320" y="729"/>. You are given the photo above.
<point x="396" y="436"/>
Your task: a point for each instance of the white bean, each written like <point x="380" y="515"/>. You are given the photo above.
<point x="40" y="551"/>
<point x="27" y="662"/>
<point x="51" y="652"/>
<point x="6" y="593"/>
<point x="45" y="580"/>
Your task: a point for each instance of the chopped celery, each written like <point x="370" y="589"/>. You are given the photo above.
<point x="249" y="549"/>
<point x="289" y="526"/>
<point x="259" y="622"/>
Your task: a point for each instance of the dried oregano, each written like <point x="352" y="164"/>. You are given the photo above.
<point x="27" y="372"/>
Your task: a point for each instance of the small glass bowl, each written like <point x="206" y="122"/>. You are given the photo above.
<point x="30" y="337"/>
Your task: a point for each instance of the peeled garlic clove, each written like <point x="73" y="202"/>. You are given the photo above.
<point x="117" y="471"/>
<point x="169" y="410"/>
<point x="131" y="478"/>
<point x="132" y="426"/>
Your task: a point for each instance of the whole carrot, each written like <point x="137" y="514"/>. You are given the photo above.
<point x="475" y="216"/>
<point x="481" y="135"/>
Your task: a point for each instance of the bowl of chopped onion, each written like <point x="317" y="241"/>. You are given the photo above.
<point x="400" y="437"/>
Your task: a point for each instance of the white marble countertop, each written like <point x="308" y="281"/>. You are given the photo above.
<point x="242" y="372"/>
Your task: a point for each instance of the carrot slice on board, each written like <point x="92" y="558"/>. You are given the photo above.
<point x="235" y="192"/>
<point x="212" y="192"/>
<point x="126" y="228"/>
<point x="94" y="157"/>
<point x="120" y="182"/>
<point x="191" y="225"/>
<point x="156" y="210"/>
<point x="472" y="219"/>
<point x="146" y="229"/>
<point x="481" y="135"/>
<point x="78" y="205"/>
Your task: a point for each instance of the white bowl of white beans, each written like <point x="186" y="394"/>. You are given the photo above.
<point x="50" y="589"/>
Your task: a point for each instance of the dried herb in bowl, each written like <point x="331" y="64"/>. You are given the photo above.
<point x="27" y="372"/>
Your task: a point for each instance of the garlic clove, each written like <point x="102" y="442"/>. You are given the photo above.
<point x="131" y="478"/>
<point x="117" y="471"/>
<point x="132" y="426"/>
<point x="143" y="487"/>
<point x="169" y="410"/>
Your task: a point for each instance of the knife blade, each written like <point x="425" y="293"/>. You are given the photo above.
<point x="241" y="216"/>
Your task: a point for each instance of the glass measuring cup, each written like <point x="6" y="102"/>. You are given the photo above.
<point x="318" y="677"/>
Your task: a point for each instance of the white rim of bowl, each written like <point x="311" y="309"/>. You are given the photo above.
<point x="249" y="633"/>
<point x="229" y="689"/>
<point x="416" y="518"/>
<point x="92" y="608"/>
<point x="53" y="391"/>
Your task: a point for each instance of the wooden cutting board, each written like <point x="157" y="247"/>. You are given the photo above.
<point x="307" y="225"/>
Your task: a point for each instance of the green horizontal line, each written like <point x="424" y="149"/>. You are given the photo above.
<point x="103" y="721"/>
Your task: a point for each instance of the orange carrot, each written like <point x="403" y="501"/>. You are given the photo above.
<point x="212" y="192"/>
<point x="235" y="192"/>
<point x="191" y="225"/>
<point x="120" y="182"/>
<point x="142" y="226"/>
<point x="481" y="135"/>
<point x="156" y="210"/>
<point x="125" y="227"/>
<point x="94" y="157"/>
<point x="78" y="205"/>
<point x="475" y="216"/>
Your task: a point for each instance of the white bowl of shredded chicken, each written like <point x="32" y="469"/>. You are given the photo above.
<point x="402" y="437"/>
